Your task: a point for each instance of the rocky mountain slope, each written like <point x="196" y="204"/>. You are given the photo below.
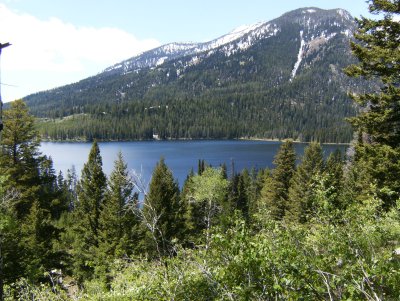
<point x="276" y="79"/>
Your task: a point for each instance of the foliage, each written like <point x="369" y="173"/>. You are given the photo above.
<point x="379" y="57"/>
<point x="162" y="212"/>
<point x="302" y="184"/>
<point x="118" y="219"/>
<point x="24" y="290"/>
<point x="207" y="201"/>
<point x="352" y="259"/>
<point x="30" y="189"/>
<point x="91" y="192"/>
<point x="19" y="157"/>
<point x="275" y="193"/>
<point x="378" y="148"/>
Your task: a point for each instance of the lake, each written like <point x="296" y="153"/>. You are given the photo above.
<point x="180" y="156"/>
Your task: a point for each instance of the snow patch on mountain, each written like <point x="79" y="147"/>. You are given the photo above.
<point x="344" y="13"/>
<point x="310" y="11"/>
<point x="240" y="39"/>
<point x="174" y="47"/>
<point x="161" y="61"/>
<point x="299" y="56"/>
<point x="258" y="31"/>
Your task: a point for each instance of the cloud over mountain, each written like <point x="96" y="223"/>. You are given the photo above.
<point x="58" y="52"/>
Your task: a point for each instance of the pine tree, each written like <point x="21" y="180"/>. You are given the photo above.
<point x="201" y="166"/>
<point x="257" y="184"/>
<point x="31" y="176"/>
<point x="91" y="191"/>
<point x="118" y="220"/>
<point x="163" y="211"/>
<point x="37" y="248"/>
<point x="10" y="267"/>
<point x="243" y="199"/>
<point x="274" y="195"/>
<point x="335" y="178"/>
<point x="302" y="184"/>
<point x="378" y="125"/>
<point x="238" y="197"/>
<point x="71" y="184"/>
<point x="52" y="194"/>
<point x="379" y="56"/>
<point x="19" y="159"/>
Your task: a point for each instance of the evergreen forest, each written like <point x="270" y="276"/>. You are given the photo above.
<point x="308" y="229"/>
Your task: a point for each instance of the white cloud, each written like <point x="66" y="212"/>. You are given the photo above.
<point x="58" y="52"/>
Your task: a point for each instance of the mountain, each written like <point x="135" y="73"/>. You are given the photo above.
<point x="276" y="79"/>
<point x="158" y="56"/>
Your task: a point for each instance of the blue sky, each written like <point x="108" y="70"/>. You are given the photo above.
<point x="56" y="42"/>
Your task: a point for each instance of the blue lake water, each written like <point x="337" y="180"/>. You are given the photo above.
<point x="180" y="156"/>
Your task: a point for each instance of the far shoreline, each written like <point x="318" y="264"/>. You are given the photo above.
<point x="77" y="140"/>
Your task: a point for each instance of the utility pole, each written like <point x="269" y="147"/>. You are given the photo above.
<point x="1" y="102"/>
<point x="1" y="234"/>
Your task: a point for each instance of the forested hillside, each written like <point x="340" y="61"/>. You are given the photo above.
<point x="279" y="79"/>
<point x="308" y="229"/>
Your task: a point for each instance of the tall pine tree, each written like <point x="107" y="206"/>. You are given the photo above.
<point x="91" y="191"/>
<point x="37" y="206"/>
<point x="302" y="184"/>
<point x="19" y="158"/>
<point x="274" y="195"/>
<point x="378" y="125"/>
<point x="119" y="217"/>
<point x="162" y="211"/>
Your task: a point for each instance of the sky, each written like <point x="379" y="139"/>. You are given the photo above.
<point x="58" y="42"/>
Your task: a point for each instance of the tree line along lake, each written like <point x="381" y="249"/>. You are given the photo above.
<point x="180" y="156"/>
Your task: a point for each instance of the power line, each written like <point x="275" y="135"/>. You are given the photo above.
<point x="9" y="85"/>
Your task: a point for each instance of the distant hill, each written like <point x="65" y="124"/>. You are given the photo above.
<point x="278" y="79"/>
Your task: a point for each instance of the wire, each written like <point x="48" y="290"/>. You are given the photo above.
<point x="8" y="85"/>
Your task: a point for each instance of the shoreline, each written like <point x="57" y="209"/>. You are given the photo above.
<point x="77" y="140"/>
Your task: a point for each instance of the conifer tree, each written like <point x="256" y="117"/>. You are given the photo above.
<point x="379" y="56"/>
<point x="201" y="166"/>
<point x="257" y="183"/>
<point x="34" y="243"/>
<point x="37" y="206"/>
<point x="232" y="197"/>
<point x="274" y="195"/>
<point x="118" y="220"/>
<point x="91" y="191"/>
<point x="224" y="171"/>
<point x="19" y="158"/>
<point x="335" y="178"/>
<point x="10" y="268"/>
<point x="71" y="184"/>
<point x="301" y="185"/>
<point x="162" y="211"/>
<point x="378" y="149"/>
<point x="238" y="198"/>
<point x="242" y="203"/>
<point x="52" y="194"/>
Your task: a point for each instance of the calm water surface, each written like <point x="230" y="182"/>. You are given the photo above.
<point x="180" y="156"/>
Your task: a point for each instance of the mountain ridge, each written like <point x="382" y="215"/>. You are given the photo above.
<point x="276" y="79"/>
<point x="178" y="49"/>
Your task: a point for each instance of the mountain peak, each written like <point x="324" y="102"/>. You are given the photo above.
<point x="239" y="38"/>
<point x="254" y="73"/>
